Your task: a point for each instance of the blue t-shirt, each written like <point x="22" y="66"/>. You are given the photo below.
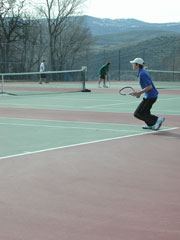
<point x="145" y="81"/>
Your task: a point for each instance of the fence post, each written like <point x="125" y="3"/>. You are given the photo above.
<point x="119" y="65"/>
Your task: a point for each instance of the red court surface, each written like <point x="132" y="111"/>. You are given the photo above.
<point x="126" y="189"/>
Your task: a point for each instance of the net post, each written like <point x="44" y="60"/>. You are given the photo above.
<point x="84" y="72"/>
<point x="2" y="83"/>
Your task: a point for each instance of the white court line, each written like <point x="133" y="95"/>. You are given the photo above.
<point x="82" y="107"/>
<point x="167" y="112"/>
<point x="66" y="122"/>
<point x="67" y="106"/>
<point x="67" y="127"/>
<point x="167" y="99"/>
<point x="73" y="122"/>
<point x="37" y="106"/>
<point x="112" y="104"/>
<point x="85" y="143"/>
<point x="125" y="103"/>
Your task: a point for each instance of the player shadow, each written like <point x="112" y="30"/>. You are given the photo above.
<point x="169" y="134"/>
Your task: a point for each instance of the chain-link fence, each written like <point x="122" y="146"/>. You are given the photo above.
<point x="158" y="55"/>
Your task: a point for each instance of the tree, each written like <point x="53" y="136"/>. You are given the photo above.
<point x="57" y="14"/>
<point x="33" y="45"/>
<point x="10" y="27"/>
<point x="27" y="36"/>
<point x="74" y="40"/>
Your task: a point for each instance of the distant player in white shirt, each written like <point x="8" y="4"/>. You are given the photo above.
<point x="42" y="69"/>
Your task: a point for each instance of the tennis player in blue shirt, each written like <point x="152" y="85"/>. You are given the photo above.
<point x="143" y="111"/>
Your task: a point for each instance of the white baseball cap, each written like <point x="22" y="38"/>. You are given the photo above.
<point x="138" y="61"/>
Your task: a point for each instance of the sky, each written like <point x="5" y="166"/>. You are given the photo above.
<point x="152" y="11"/>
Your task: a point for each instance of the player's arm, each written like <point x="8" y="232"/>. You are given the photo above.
<point x="138" y="93"/>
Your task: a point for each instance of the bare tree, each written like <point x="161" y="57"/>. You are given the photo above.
<point x="33" y="45"/>
<point x="57" y="12"/>
<point x="10" y="26"/>
<point x="74" y="40"/>
<point x="55" y="34"/>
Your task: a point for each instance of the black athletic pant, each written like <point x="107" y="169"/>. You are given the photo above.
<point x="143" y="111"/>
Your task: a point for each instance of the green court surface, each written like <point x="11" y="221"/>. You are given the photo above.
<point x="93" y="101"/>
<point x="23" y="136"/>
<point x="135" y="84"/>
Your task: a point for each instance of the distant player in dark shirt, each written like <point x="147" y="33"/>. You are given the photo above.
<point x="103" y="73"/>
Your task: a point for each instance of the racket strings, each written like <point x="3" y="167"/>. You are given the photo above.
<point x="126" y="90"/>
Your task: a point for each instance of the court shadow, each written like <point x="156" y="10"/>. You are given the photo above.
<point x="169" y="134"/>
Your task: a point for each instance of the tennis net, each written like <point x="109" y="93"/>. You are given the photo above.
<point x="28" y="83"/>
<point x="164" y="76"/>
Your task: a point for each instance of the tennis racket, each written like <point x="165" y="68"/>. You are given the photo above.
<point x="126" y="91"/>
<point x="108" y="79"/>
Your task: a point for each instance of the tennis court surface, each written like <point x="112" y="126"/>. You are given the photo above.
<point x="79" y="166"/>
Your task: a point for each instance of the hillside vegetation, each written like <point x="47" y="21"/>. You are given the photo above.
<point x="158" y="47"/>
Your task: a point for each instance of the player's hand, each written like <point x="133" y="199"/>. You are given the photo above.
<point x="136" y="94"/>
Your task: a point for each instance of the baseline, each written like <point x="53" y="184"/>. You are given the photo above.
<point x="86" y="143"/>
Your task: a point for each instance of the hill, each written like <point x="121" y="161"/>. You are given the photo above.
<point x="121" y="40"/>
<point x="99" y="26"/>
<point x="162" y="52"/>
<point x="125" y="38"/>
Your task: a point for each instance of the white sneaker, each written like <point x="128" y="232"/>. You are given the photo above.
<point x="158" y="123"/>
<point x="99" y="86"/>
<point x="105" y="86"/>
<point x="147" y="127"/>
